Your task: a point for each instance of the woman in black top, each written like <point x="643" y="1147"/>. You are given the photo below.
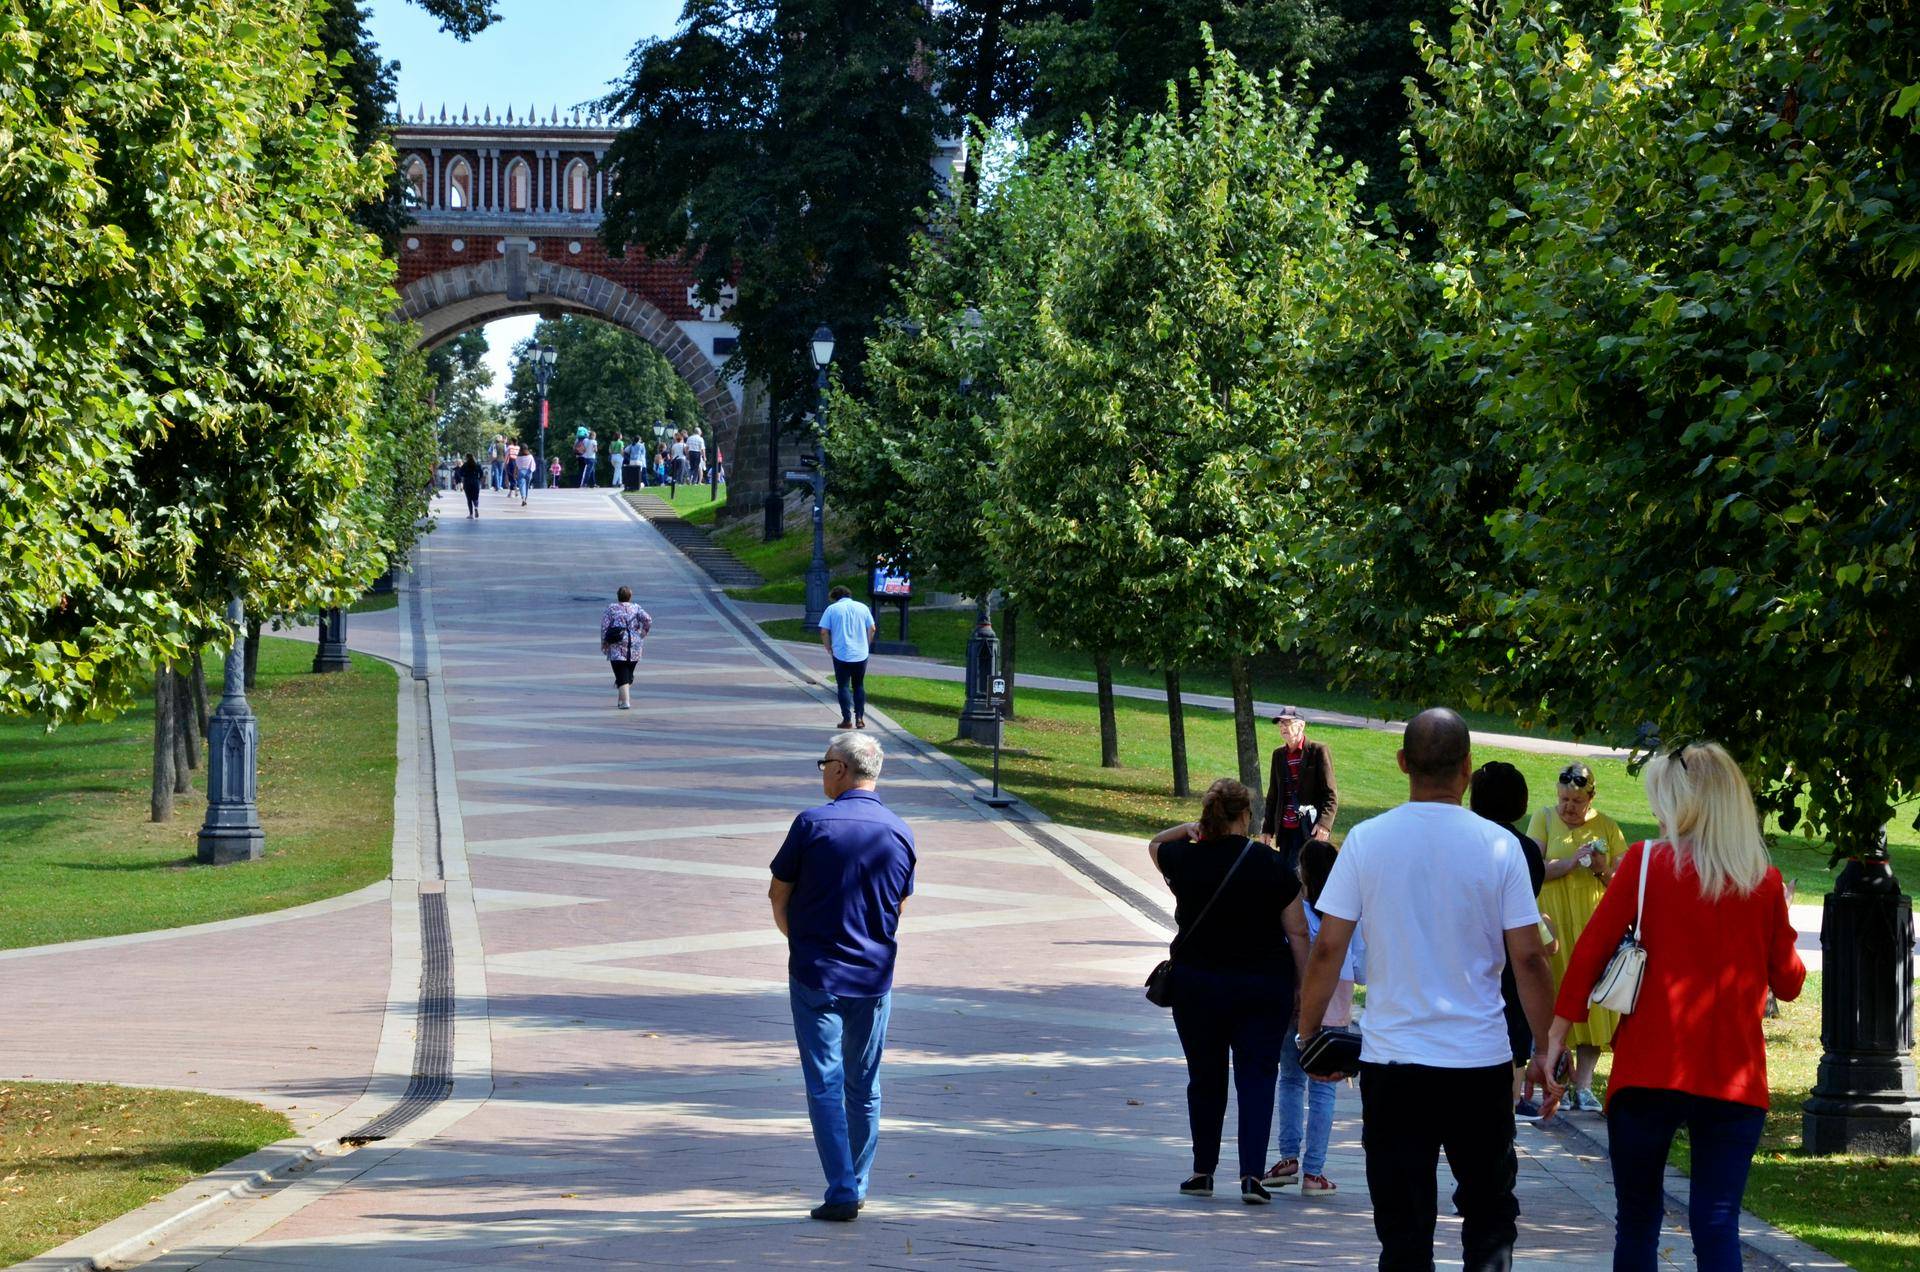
<point x="470" y="482"/>
<point x="1229" y="997"/>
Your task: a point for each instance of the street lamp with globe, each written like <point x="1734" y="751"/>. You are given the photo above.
<point x="544" y="356"/>
<point x="816" y="477"/>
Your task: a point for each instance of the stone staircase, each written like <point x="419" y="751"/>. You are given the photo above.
<point x="720" y="565"/>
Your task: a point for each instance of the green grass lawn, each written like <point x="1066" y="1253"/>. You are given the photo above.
<point x="73" y="1156"/>
<point x="941" y="634"/>
<point x="1052" y="759"/>
<point x="1865" y="1211"/>
<point x="374" y="602"/>
<point x="783" y="562"/>
<point x="78" y="857"/>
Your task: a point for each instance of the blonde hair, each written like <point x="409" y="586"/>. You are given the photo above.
<point x="1705" y="808"/>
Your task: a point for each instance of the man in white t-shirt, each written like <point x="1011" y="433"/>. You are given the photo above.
<point x="1447" y="903"/>
<point x="846" y="628"/>
<point x="696" y="455"/>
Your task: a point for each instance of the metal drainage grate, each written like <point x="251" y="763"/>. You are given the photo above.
<point x="433" y="1032"/>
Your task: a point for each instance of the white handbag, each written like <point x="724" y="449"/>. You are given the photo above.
<point x="1618" y="989"/>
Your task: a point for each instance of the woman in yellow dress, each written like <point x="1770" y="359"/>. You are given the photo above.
<point x="1582" y="847"/>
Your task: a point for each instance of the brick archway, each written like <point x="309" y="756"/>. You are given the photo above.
<point x="450" y="301"/>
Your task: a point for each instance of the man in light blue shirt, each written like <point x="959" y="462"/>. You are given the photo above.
<point x="846" y="627"/>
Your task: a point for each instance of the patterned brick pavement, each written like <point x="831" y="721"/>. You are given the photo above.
<point x="647" y="1108"/>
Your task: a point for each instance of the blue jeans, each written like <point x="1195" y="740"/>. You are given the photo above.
<point x="850" y="682"/>
<point x="520" y="483"/>
<point x="840" y="1044"/>
<point x="1296" y="1090"/>
<point x="1640" y="1126"/>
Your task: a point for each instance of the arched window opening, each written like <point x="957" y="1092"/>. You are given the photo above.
<point x="459" y="185"/>
<point x="519" y="186"/>
<point x="415" y="173"/>
<point x="577" y="186"/>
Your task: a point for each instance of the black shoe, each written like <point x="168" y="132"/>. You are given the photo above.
<point x="1198" y="1186"/>
<point x="836" y="1211"/>
<point x="1253" y="1193"/>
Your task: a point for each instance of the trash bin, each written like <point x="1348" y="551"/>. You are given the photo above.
<point x="630" y="476"/>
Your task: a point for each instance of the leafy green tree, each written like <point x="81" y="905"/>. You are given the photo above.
<point x="784" y="144"/>
<point x="402" y="441"/>
<point x="604" y="377"/>
<point x="911" y="455"/>
<point x="468" y="419"/>
<point x="1699" y="346"/>
<point x="1190" y="258"/>
<point x="186" y="341"/>
<point x="1121" y="55"/>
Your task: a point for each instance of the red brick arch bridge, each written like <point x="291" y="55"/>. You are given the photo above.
<point x="506" y="221"/>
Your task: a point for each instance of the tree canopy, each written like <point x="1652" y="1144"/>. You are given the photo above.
<point x="783" y="146"/>
<point x="187" y="340"/>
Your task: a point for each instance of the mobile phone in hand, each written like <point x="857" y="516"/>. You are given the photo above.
<point x="1563" y="1067"/>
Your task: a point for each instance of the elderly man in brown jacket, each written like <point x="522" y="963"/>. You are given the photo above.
<point x="1301" y="797"/>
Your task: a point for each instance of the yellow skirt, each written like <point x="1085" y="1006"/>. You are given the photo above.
<point x="1568" y="903"/>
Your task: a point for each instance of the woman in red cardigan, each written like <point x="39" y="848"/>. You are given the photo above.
<point x="1691" y="1053"/>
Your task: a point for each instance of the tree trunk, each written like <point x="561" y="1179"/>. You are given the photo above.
<point x="1010" y="617"/>
<point x="1246" y="742"/>
<point x="199" y="687"/>
<point x="1177" y="735"/>
<point x="186" y="752"/>
<point x="253" y="652"/>
<point x="165" y="702"/>
<point x="1109" y="727"/>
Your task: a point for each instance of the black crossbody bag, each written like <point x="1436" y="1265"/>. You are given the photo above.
<point x="1160" y="979"/>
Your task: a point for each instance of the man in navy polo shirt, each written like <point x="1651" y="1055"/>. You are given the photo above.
<point x="839" y="884"/>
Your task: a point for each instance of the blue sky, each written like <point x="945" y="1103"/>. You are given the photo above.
<point x="542" y="52"/>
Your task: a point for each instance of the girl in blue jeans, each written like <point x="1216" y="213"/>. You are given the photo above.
<point x="1303" y="1142"/>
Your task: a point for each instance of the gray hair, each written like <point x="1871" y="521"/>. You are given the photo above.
<point x="862" y="753"/>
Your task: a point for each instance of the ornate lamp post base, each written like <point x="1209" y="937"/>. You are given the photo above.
<point x="1865" y="1100"/>
<point x="232" y="831"/>
<point x="332" y="655"/>
<point x="980" y="718"/>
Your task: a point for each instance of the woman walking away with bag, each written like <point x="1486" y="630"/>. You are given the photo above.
<point x="1711" y="937"/>
<point x="622" y="627"/>
<point x="1583" y="847"/>
<point x="1231" y="999"/>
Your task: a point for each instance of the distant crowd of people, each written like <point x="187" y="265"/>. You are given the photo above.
<point x="510" y="467"/>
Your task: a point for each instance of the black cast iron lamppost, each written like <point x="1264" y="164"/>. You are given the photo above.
<point x="980" y="714"/>
<point x="331" y="653"/>
<point x="543" y="359"/>
<point x="1865" y="1099"/>
<point x="816" y="476"/>
<point x="232" y="831"/>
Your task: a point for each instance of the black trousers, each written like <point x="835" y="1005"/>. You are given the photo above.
<point x="1237" y="1016"/>
<point x="1410" y="1113"/>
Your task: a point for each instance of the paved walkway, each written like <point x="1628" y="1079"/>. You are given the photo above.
<point x="645" y="1105"/>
